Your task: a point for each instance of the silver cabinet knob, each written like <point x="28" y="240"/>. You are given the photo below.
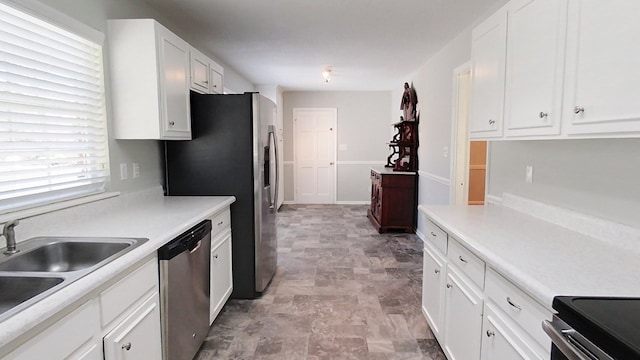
<point x="490" y="333"/>
<point x="578" y="110"/>
<point x="448" y="286"/>
<point x="491" y="122"/>
<point x="126" y="346"/>
<point x="331" y="163"/>
<point x="543" y="115"/>
<point x="171" y="123"/>
<point x="462" y="259"/>
<point x="433" y="234"/>
<point x="215" y="256"/>
<point x="436" y="271"/>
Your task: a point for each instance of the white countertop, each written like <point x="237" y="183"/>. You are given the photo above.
<point x="542" y="258"/>
<point x="145" y="214"/>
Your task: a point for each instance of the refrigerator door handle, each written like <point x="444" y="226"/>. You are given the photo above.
<point x="272" y="135"/>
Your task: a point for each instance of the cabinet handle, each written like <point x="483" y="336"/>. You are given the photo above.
<point x="513" y="304"/>
<point x="215" y="256"/>
<point x="448" y="286"/>
<point x="491" y="122"/>
<point x="543" y="115"/>
<point x="220" y="223"/>
<point x="433" y="234"/>
<point x="462" y="259"/>
<point x="436" y="271"/>
<point x="331" y="163"/>
<point x="206" y="82"/>
<point x="490" y="333"/>
<point x="578" y="109"/>
<point x="171" y="123"/>
<point x="126" y="346"/>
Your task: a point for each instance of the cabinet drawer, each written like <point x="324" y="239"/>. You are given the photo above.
<point x="437" y="237"/>
<point x="220" y="221"/>
<point x="63" y="338"/>
<point x="464" y="260"/>
<point x="120" y="297"/>
<point x="519" y="306"/>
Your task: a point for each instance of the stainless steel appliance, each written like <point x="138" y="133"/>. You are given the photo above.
<point x="594" y="328"/>
<point x="184" y="292"/>
<point x="233" y="152"/>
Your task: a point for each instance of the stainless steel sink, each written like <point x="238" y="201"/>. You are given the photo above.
<point x="46" y="264"/>
<point x="15" y="290"/>
<point x="62" y="256"/>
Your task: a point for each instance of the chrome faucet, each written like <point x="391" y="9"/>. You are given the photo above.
<point x="10" y="235"/>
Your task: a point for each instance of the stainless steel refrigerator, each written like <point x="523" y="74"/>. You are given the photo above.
<point x="233" y="152"/>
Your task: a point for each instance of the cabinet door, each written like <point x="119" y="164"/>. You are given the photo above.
<point x="221" y="276"/>
<point x="215" y="82"/>
<point x="199" y="72"/>
<point x="602" y="73"/>
<point x="174" y="85"/>
<point x="500" y="342"/>
<point x="463" y="318"/>
<point x="488" y="52"/>
<point x="138" y="336"/>
<point x="433" y="284"/>
<point x="535" y="67"/>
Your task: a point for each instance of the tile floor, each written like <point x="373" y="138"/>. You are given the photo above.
<point x="341" y="291"/>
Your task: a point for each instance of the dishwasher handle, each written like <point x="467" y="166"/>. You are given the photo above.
<point x="187" y="241"/>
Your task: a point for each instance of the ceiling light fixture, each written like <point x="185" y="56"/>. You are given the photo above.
<point x="326" y="74"/>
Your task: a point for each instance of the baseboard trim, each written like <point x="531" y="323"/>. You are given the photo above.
<point x="353" y="202"/>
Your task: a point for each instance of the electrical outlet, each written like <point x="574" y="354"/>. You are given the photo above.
<point x="529" y="175"/>
<point x="124" y="175"/>
<point x="135" y="170"/>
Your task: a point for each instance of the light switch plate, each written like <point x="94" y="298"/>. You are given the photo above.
<point x="135" y="170"/>
<point x="124" y="175"/>
<point x="529" y="175"/>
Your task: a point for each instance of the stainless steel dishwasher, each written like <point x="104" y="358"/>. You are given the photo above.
<point x="184" y="292"/>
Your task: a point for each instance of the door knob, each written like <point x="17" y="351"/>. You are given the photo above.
<point x="331" y="163"/>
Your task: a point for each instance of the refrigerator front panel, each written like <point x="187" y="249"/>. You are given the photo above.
<point x="221" y="160"/>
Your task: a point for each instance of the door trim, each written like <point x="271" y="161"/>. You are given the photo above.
<point x="335" y="153"/>
<point x="459" y="139"/>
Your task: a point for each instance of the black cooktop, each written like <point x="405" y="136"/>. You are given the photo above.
<point x="611" y="323"/>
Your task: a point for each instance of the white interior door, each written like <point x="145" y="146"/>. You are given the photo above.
<point x="315" y="152"/>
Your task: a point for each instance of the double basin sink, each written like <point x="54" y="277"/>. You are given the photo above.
<point x="47" y="264"/>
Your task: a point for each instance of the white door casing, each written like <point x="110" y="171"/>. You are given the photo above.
<point x="460" y="134"/>
<point x="315" y="155"/>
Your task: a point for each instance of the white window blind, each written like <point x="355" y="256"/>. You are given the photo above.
<point x="53" y="134"/>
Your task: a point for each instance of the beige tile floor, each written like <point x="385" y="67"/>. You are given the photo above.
<point x="341" y="291"/>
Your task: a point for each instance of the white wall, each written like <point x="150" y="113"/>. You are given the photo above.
<point x="599" y="177"/>
<point x="434" y="87"/>
<point x="148" y="153"/>
<point x="363" y="126"/>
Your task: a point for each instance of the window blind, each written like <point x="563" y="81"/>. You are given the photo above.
<point x="53" y="134"/>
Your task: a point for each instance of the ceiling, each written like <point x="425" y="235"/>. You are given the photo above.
<point x="367" y="44"/>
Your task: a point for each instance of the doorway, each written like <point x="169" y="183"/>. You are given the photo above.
<point x="470" y="159"/>
<point x="315" y="155"/>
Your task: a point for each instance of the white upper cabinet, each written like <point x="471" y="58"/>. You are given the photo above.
<point x="150" y="81"/>
<point x="488" y="53"/>
<point x="199" y="71"/>
<point x="535" y="61"/>
<point x="556" y="69"/>
<point x="602" y="72"/>
<point x="215" y="79"/>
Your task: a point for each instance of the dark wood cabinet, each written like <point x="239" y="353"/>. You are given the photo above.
<point x="393" y="200"/>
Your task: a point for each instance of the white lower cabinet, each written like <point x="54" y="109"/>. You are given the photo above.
<point x="72" y="337"/>
<point x="124" y="316"/>
<point x="433" y="285"/>
<point x="137" y="336"/>
<point x="463" y="318"/>
<point x="221" y="275"/>
<point x="474" y="312"/>
<point x="500" y="341"/>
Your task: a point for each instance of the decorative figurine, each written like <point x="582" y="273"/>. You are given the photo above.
<point x="409" y="102"/>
